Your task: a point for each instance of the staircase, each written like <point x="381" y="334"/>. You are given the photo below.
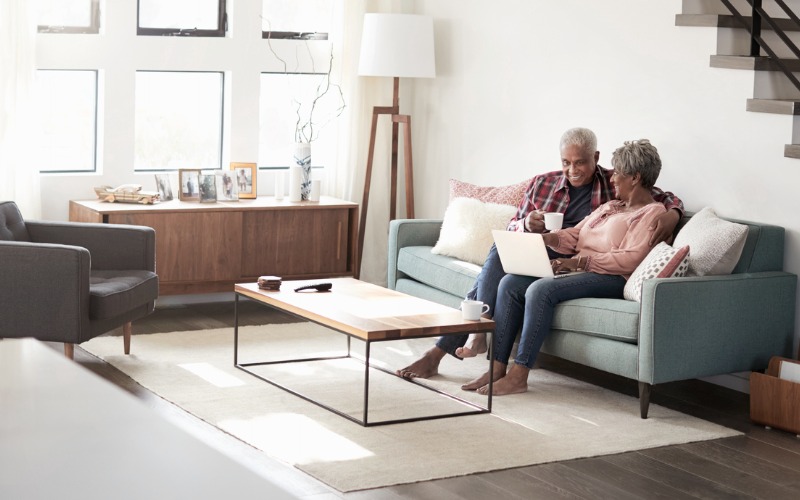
<point x="770" y="50"/>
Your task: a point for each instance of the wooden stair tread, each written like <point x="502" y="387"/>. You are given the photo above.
<point x="791" y="151"/>
<point x="774" y="106"/>
<point x="752" y="63"/>
<point x="729" y="21"/>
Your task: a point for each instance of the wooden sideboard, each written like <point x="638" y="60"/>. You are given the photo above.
<point x="208" y="247"/>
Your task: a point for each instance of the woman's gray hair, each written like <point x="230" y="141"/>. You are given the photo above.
<point x="638" y="157"/>
<point x="581" y="137"/>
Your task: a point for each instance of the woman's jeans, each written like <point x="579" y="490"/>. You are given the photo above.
<point x="528" y="303"/>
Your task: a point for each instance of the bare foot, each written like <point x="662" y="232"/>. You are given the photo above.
<point x="476" y="344"/>
<point x="425" y="367"/>
<point x="483" y="380"/>
<point x="515" y="382"/>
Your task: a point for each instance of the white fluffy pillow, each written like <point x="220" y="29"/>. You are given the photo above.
<point x="467" y="228"/>
<point x="716" y="243"/>
<point x="663" y="261"/>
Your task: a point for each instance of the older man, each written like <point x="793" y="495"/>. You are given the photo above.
<point x="576" y="190"/>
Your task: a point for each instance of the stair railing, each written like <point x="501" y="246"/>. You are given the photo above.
<point x="757" y="42"/>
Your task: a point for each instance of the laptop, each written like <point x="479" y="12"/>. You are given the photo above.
<point x="524" y="254"/>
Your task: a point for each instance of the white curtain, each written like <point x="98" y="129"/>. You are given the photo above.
<point x="18" y="182"/>
<point x="361" y="94"/>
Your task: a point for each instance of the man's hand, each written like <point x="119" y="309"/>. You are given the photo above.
<point x="664" y="227"/>
<point x="534" y="221"/>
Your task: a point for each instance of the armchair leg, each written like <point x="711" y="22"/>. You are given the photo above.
<point x="69" y="350"/>
<point x="126" y="337"/>
<point x="644" y="398"/>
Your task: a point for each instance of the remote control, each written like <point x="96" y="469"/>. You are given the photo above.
<point x="317" y="287"/>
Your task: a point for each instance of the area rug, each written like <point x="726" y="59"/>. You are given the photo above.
<point x="557" y="419"/>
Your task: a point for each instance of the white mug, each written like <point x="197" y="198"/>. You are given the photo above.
<point x="316" y="187"/>
<point x="471" y="310"/>
<point x="553" y="220"/>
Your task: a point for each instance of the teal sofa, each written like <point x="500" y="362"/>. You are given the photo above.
<point x="683" y="328"/>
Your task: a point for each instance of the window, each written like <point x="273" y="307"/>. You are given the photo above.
<point x="286" y="100"/>
<point x="178" y="120"/>
<point x="181" y="18"/>
<point x="68" y="16"/>
<point x="296" y="20"/>
<point x="65" y="121"/>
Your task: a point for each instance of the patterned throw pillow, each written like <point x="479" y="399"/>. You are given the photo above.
<point x="663" y="261"/>
<point x="502" y="195"/>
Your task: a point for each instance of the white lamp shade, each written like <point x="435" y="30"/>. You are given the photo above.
<point x="397" y="45"/>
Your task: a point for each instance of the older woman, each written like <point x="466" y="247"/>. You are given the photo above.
<point x="608" y="245"/>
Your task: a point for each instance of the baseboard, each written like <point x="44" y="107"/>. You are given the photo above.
<point x="200" y="298"/>
<point x="739" y="381"/>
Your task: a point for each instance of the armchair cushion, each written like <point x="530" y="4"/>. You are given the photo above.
<point x="12" y="225"/>
<point x="113" y="293"/>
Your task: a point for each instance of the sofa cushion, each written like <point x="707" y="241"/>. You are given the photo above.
<point x="439" y="271"/>
<point x="503" y="195"/>
<point x="615" y="319"/>
<point x="663" y="261"/>
<point x="716" y="244"/>
<point x="467" y="228"/>
<point x="112" y="293"/>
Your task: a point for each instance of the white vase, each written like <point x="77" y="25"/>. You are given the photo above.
<point x="302" y="159"/>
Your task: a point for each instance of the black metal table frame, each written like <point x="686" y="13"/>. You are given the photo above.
<point x="478" y="409"/>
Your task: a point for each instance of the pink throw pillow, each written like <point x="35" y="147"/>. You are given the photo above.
<point x="502" y="195"/>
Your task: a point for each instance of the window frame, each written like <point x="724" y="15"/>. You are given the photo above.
<point x="92" y="29"/>
<point x="220" y="31"/>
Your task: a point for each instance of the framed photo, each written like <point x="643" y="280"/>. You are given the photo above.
<point x="189" y="180"/>
<point x="164" y="187"/>
<point x="227" y="188"/>
<point x="245" y="176"/>
<point x="208" y="188"/>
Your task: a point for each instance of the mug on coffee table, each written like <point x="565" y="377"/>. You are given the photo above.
<point x="471" y="310"/>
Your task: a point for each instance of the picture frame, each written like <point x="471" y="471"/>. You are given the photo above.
<point x="208" y="188"/>
<point x="189" y="181"/>
<point x="164" y="186"/>
<point x="246" y="177"/>
<point x="227" y="188"/>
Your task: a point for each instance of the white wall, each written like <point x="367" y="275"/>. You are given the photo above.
<point x="513" y="75"/>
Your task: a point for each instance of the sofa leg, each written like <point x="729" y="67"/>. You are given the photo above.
<point x="69" y="350"/>
<point x="126" y="337"/>
<point x="644" y="398"/>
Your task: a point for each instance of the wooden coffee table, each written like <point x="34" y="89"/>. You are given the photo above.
<point x="368" y="312"/>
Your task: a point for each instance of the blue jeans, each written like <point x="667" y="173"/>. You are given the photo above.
<point x="528" y="303"/>
<point x="485" y="290"/>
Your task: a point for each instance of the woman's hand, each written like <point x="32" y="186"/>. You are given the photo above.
<point x="561" y="266"/>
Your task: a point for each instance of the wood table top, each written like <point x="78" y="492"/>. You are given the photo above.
<point x="367" y="311"/>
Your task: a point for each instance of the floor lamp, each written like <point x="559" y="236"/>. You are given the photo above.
<point x="398" y="46"/>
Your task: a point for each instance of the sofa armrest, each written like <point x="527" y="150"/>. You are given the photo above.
<point x="44" y="291"/>
<point x="408" y="233"/>
<point x="112" y="246"/>
<point x="699" y="326"/>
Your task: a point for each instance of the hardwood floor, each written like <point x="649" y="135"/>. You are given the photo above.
<point x="761" y="464"/>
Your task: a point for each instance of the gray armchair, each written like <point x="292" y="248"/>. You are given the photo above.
<point x="70" y="282"/>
